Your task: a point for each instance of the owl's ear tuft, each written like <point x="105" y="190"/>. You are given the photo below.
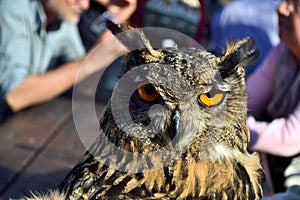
<point x="134" y="39"/>
<point x="238" y="55"/>
<point x="116" y="28"/>
<point x="128" y="36"/>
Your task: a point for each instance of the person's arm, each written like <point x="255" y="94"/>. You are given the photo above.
<point x="40" y="88"/>
<point x="279" y="137"/>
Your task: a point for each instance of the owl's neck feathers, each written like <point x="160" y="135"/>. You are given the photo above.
<point x="190" y="177"/>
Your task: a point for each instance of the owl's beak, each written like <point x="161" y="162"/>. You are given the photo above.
<point x="175" y="126"/>
<point x="178" y="137"/>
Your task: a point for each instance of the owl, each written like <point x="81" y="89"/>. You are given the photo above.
<point x="175" y="128"/>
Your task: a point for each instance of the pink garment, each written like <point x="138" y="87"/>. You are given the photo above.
<point x="282" y="135"/>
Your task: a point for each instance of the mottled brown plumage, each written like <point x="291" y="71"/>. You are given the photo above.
<point x="185" y="138"/>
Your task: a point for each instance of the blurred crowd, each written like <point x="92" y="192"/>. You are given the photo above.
<point x="43" y="42"/>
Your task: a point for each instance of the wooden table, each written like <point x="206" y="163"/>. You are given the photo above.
<point x="38" y="147"/>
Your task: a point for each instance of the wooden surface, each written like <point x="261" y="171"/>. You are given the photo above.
<point x="38" y="147"/>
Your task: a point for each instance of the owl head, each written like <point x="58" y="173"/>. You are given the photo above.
<point x="179" y="100"/>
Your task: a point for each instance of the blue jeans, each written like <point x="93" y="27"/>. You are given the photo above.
<point x="292" y="193"/>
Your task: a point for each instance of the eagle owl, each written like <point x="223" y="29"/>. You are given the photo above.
<point x="183" y="134"/>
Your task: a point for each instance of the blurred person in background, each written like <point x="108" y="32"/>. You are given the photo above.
<point x="274" y="100"/>
<point x="40" y="51"/>
<point x="246" y="18"/>
<point x="185" y="16"/>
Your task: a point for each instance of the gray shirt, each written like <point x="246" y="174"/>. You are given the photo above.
<point x="27" y="48"/>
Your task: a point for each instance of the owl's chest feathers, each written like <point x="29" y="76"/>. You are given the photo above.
<point x="192" y="175"/>
<point x="187" y="177"/>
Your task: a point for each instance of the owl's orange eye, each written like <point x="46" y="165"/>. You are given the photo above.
<point x="147" y="92"/>
<point x="211" y="99"/>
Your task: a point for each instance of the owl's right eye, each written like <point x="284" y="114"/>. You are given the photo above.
<point x="147" y="92"/>
<point x="212" y="98"/>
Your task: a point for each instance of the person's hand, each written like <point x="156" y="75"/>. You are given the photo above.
<point x="122" y="9"/>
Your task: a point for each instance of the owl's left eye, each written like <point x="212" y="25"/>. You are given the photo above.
<point x="147" y="92"/>
<point x="212" y="98"/>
